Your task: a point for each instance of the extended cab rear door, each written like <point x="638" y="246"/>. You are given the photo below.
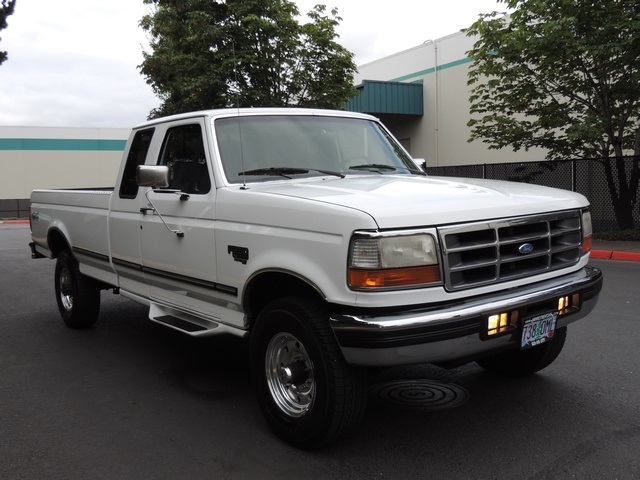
<point x="124" y="216"/>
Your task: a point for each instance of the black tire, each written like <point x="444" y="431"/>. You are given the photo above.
<point x="520" y="363"/>
<point x="78" y="296"/>
<point x="307" y="392"/>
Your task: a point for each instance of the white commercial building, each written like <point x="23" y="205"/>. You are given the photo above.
<point x="421" y="94"/>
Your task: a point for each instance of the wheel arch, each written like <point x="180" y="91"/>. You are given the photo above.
<point x="269" y="285"/>
<point x="57" y="242"/>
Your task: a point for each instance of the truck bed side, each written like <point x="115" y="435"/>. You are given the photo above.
<point x="75" y="219"/>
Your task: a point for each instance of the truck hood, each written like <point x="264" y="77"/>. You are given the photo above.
<point x="399" y="201"/>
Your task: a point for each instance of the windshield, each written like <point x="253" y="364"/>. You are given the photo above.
<point x="267" y="147"/>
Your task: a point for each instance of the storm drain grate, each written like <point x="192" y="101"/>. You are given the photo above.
<point x="416" y="394"/>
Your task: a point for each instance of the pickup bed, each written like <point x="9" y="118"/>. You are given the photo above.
<point x="314" y="234"/>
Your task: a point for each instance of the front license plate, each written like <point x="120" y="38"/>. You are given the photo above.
<point x="537" y="330"/>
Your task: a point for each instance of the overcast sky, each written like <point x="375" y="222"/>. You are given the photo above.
<point x="74" y="62"/>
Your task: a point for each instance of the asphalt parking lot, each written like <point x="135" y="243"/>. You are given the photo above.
<point x="131" y="399"/>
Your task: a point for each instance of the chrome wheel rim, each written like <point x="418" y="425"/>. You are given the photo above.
<point x="289" y="373"/>
<point x="66" y="289"/>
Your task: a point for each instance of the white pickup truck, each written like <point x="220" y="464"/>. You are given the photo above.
<point x="317" y="236"/>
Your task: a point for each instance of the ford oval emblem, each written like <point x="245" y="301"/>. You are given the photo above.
<point x="525" y="248"/>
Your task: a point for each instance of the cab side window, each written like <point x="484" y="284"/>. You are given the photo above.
<point x="183" y="153"/>
<point x="137" y="156"/>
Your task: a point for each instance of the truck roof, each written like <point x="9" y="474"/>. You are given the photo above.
<point x="230" y="112"/>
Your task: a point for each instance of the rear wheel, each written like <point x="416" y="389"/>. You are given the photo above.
<point x="307" y="392"/>
<point x="78" y="296"/>
<point x="520" y="363"/>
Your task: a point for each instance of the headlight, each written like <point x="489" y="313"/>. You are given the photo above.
<point x="393" y="261"/>
<point x="587" y="232"/>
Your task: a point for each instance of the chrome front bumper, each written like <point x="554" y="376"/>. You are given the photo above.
<point x="452" y="333"/>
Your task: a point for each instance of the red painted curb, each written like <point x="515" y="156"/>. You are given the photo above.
<point x="601" y="254"/>
<point x="14" y="222"/>
<point x="629" y="256"/>
<point x="615" y="255"/>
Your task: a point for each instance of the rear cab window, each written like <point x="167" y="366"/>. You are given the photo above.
<point x="137" y="156"/>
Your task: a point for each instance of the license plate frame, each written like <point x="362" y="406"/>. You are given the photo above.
<point x="538" y="330"/>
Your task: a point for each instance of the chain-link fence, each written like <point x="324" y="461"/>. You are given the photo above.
<point x="611" y="185"/>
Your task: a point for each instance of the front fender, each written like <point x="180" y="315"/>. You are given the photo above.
<point x="324" y="275"/>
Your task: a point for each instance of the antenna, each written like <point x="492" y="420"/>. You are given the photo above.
<point x="237" y="93"/>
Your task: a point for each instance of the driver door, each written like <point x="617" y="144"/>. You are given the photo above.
<point x="178" y="258"/>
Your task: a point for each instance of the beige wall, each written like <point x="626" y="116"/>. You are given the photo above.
<point x="22" y="170"/>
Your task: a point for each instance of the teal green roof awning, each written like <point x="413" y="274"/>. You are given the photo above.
<point x="387" y="97"/>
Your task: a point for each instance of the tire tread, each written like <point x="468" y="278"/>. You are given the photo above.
<point x="86" y="298"/>
<point x="347" y="385"/>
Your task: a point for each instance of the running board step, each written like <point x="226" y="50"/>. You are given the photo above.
<point x="184" y="322"/>
<point x="181" y="324"/>
<point x="190" y="322"/>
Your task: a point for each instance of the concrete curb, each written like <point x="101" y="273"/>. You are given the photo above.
<point x="597" y="254"/>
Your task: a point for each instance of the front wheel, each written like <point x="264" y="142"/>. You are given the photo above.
<point x="307" y="392"/>
<point x="78" y="296"/>
<point x="520" y="363"/>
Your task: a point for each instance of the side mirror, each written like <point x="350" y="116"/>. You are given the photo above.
<point x="156" y="176"/>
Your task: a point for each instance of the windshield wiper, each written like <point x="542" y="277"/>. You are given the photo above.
<point x="373" y="166"/>
<point x="286" y="171"/>
<point x="382" y="166"/>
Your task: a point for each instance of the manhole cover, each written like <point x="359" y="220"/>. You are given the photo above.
<point x="416" y="394"/>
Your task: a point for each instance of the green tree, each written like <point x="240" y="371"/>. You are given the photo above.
<point x="247" y="53"/>
<point x="6" y="9"/>
<point x="563" y="75"/>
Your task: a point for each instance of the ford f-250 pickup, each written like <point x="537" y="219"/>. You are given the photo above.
<point x="316" y="235"/>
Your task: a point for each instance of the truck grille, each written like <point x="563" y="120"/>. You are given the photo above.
<point x="500" y="250"/>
